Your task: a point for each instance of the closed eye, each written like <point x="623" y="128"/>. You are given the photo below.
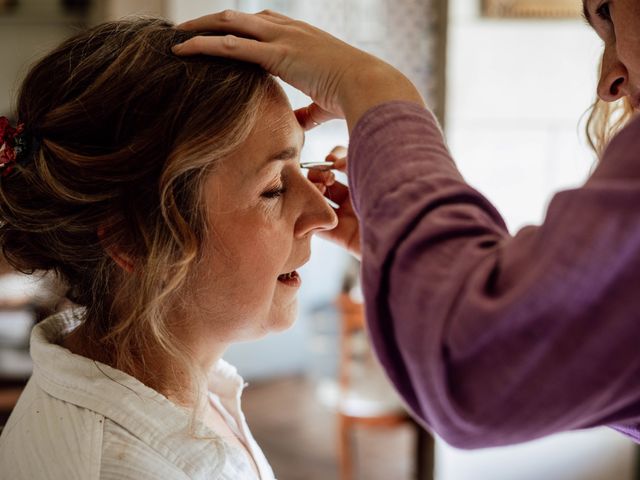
<point x="275" y="193"/>
<point x="604" y="12"/>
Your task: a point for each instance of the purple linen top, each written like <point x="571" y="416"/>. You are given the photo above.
<point x="494" y="339"/>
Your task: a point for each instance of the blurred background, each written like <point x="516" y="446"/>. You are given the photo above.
<point x="510" y="81"/>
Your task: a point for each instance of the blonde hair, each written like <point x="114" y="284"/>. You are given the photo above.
<point x="605" y="120"/>
<point x="128" y="132"/>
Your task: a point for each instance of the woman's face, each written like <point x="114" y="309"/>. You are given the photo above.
<point x="617" y="22"/>
<point x="262" y="212"/>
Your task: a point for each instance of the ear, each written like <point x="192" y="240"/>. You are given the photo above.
<point x="123" y="260"/>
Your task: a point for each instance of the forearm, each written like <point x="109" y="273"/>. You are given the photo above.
<point x="369" y="82"/>
<point x="492" y="339"/>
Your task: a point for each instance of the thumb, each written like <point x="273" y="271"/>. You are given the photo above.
<point x="313" y="115"/>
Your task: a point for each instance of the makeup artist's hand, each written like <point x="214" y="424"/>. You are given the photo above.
<point x="347" y="233"/>
<point x="341" y="80"/>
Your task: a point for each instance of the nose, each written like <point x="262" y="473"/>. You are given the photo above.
<point x="614" y="77"/>
<point x="316" y="214"/>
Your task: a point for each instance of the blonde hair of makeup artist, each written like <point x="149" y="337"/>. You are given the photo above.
<point x="112" y="201"/>
<point x="605" y="120"/>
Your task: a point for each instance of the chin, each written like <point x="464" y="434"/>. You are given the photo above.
<point x="283" y="320"/>
<point x="283" y="325"/>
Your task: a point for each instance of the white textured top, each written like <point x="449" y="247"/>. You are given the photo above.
<point x="81" y="419"/>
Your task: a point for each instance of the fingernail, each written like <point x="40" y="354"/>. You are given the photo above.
<point x="176" y="48"/>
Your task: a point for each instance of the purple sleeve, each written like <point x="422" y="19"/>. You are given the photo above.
<point x="490" y="338"/>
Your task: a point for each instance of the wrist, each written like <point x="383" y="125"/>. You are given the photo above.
<point x="370" y="83"/>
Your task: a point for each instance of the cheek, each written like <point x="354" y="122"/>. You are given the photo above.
<point x="258" y="256"/>
<point x="252" y="248"/>
<point x="628" y="52"/>
<point x="628" y="41"/>
<point x="258" y="242"/>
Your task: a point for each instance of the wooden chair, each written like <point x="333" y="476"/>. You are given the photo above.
<point x="382" y="409"/>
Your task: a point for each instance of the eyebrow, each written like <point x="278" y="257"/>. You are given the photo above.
<point x="288" y="153"/>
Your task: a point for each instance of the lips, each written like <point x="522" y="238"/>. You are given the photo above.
<point x="291" y="279"/>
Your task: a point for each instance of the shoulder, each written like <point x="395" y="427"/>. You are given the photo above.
<point x="621" y="159"/>
<point x="43" y="429"/>
<point x="125" y="456"/>
<point x="627" y="141"/>
<point x="51" y="429"/>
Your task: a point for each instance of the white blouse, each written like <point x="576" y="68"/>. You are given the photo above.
<point x="81" y="419"/>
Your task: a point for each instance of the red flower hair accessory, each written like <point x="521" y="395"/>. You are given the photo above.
<point x="13" y="145"/>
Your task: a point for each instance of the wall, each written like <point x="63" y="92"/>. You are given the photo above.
<point x="115" y="9"/>
<point x="25" y="36"/>
<point x="517" y="90"/>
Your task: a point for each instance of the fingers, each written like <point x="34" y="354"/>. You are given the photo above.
<point x="338" y="193"/>
<point x="312" y="115"/>
<point x="339" y="158"/>
<point x="338" y="152"/>
<point x="260" y="27"/>
<point x="326" y="177"/>
<point x="276" y="17"/>
<point x="326" y="182"/>
<point x="340" y="164"/>
<point x="229" y="46"/>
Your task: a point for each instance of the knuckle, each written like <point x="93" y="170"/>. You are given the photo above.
<point x="229" y="42"/>
<point x="266" y="11"/>
<point x="194" y="44"/>
<point x="228" y="15"/>
<point x="300" y="26"/>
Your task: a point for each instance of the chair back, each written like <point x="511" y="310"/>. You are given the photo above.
<point x="352" y="323"/>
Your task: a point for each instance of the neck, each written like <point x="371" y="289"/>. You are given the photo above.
<point x="164" y="375"/>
